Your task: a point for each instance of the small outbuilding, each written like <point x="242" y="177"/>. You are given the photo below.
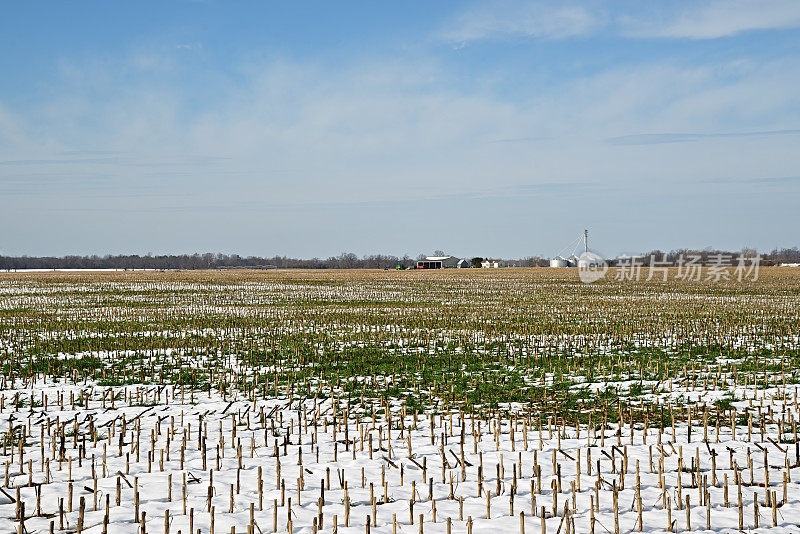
<point x="439" y="262"/>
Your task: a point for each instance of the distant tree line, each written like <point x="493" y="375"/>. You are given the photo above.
<point x="346" y="260"/>
<point x="709" y="256"/>
<point x="785" y="255"/>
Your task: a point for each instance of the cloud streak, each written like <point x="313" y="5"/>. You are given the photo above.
<point x="659" y="138"/>
<point x="545" y="20"/>
<point x="717" y="18"/>
<point x="504" y="19"/>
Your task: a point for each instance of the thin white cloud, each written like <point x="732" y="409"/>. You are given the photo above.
<point x="503" y="19"/>
<point x="657" y="138"/>
<point x="10" y="130"/>
<point x="717" y="18"/>
<point x="364" y="129"/>
<point x="301" y="133"/>
<point x="376" y="134"/>
<point x="701" y="19"/>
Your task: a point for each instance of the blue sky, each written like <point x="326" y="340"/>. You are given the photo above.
<point x="480" y="128"/>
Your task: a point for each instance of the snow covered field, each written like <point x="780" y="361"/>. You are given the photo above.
<point x="265" y="461"/>
<point x="395" y="402"/>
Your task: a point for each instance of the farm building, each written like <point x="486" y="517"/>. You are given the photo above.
<point x="490" y="264"/>
<point x="439" y="262"/>
<point x="573" y="260"/>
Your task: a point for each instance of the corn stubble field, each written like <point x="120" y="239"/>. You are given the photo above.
<point x="514" y="400"/>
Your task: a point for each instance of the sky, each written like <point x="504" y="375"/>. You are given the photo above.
<point x="306" y="129"/>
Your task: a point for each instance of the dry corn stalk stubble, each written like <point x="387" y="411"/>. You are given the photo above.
<point x="195" y="396"/>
